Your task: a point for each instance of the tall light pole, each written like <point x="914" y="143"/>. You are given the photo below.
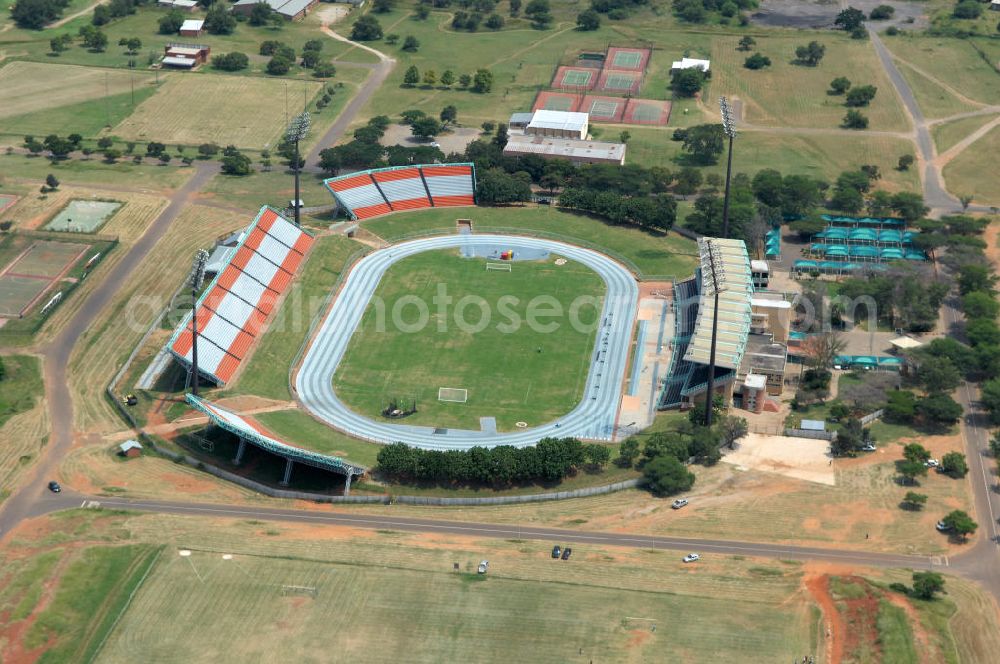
<point x="729" y="128"/>
<point x="297" y="130"/>
<point x="711" y="286"/>
<point x="195" y="279"/>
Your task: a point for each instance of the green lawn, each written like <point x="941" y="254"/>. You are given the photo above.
<point x="934" y="99"/>
<point x="276" y="188"/>
<point x="514" y="367"/>
<point x="267" y="373"/>
<point x="948" y="134"/>
<point x="649" y="255"/>
<point x="87" y="118"/>
<point x="969" y="173"/>
<point x="80" y="171"/>
<point x="21" y="385"/>
<point x="953" y="61"/>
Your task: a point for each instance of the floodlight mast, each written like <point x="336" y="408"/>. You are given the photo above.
<point x="297" y="130"/>
<point x="729" y="128"/>
<point x="196" y="279"/>
<point x="714" y="273"/>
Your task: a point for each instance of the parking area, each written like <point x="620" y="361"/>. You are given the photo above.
<point x="800" y="458"/>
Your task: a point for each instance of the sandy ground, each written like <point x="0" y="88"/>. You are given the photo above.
<point x="455" y="140"/>
<point x="333" y="14"/>
<point x="801" y="458"/>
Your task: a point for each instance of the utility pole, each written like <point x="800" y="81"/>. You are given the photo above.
<point x="297" y="130"/>
<point x="195" y="280"/>
<point x="729" y="127"/>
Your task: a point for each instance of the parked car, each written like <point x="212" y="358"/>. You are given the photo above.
<point x="54" y="487"/>
<point x="692" y="558"/>
<point x="679" y="503"/>
<point x="869" y="448"/>
<point x="556" y="551"/>
<point x="566" y="553"/>
<point x="483" y="566"/>
<point x="435" y="144"/>
<point x="932" y="463"/>
<point x="942" y="527"/>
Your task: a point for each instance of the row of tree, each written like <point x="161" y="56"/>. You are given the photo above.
<point x="550" y="460"/>
<point x="481" y="81"/>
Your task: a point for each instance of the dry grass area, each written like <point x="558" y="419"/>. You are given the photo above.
<point x="23" y="435"/>
<point x="766" y="93"/>
<point x="971" y="171"/>
<point x="952" y="61"/>
<point x="759" y="506"/>
<point x="245" y="111"/>
<point x="104" y="348"/>
<point x="948" y="134"/>
<point x="35" y="86"/>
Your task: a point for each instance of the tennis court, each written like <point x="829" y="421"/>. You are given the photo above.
<point x="619" y="81"/>
<point x="603" y="109"/>
<point x="574" y="78"/>
<point x="7" y="200"/>
<point x="646" y="112"/>
<point x="556" y="101"/>
<point x="630" y="59"/>
<point x="30" y="274"/>
<point x="83" y="216"/>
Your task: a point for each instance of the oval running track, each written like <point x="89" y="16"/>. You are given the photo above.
<point x="593" y="418"/>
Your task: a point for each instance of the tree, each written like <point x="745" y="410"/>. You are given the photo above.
<point x="447" y="78"/>
<point x="366" y="28"/>
<point x="94" y="39"/>
<point x="954" y="464"/>
<point x="219" y="20"/>
<point x="860" y="96"/>
<point x="111" y="155"/>
<point x="260" y="14"/>
<point x="278" y="65"/>
<point x="538" y="12"/>
<point x="746" y="43"/>
<point x="938" y="374"/>
<point x="849" y="19"/>
<point x="927" y="584"/>
<point x="855" y="120"/>
<point x="687" y="82"/>
<point x="494" y="22"/>
<point x="939" y="409"/>
<point x="597" y="455"/>
<point x="59" y="44"/>
<point x="882" y="12"/>
<point x="911" y="470"/>
<point x="960" y="523"/>
<point x="464" y="80"/>
<point x="411" y="44"/>
<point x="324" y="70"/>
<point x="979" y="304"/>
<point x="411" y="77"/>
<point x="704" y="143"/>
<point x="383" y="6"/>
<point x="497" y="187"/>
<point x="430" y="78"/>
<point x="967" y="9"/>
<point x="155" y="149"/>
<point x="449" y="114"/>
<point x="51" y="182"/>
<point x="990" y="398"/>
<point x="425" y="127"/>
<point x="165" y="158"/>
<point x="757" y="61"/>
<point x="423" y="11"/>
<point x="810" y="54"/>
<point x="975" y="278"/>
<point x="916" y="452"/>
<point x="482" y="81"/>
<point x="840" y="85"/>
<point x="905" y="161"/>
<point x="628" y="452"/>
<point x="208" y="150"/>
<point x="132" y="44"/>
<point x="588" y="20"/>
<point x="909" y="205"/>
<point x="822" y="349"/>
<point x="515" y="7"/>
<point x="665" y="475"/>
<point x="35" y="14"/>
<point x="914" y="501"/>
<point x="234" y="61"/>
<point x="732" y="429"/>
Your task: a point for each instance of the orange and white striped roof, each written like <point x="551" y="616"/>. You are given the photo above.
<point x="232" y="311"/>
<point x="368" y="194"/>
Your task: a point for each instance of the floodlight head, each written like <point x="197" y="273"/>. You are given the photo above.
<point x="197" y="276"/>
<point x="728" y="124"/>
<point x="298" y="127"/>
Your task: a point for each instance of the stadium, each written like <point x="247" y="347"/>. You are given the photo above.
<point x="462" y="403"/>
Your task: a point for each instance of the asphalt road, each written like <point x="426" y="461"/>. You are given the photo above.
<point x="593" y="418"/>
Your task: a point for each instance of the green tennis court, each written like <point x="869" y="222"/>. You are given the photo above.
<point x="83" y="216"/>
<point x="627" y="59"/>
<point x="619" y="82"/>
<point x="603" y="108"/>
<point x="16" y="293"/>
<point x="577" y="78"/>
<point x="47" y="259"/>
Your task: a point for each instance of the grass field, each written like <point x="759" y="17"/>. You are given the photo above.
<point x="248" y="112"/>
<point x="93" y="171"/>
<point x="267" y="372"/>
<point x="934" y="97"/>
<point x="20" y="387"/>
<point x="23" y="418"/>
<point x="648" y="254"/>
<point x="969" y="172"/>
<point x="504" y="373"/>
<point x="400" y="591"/>
<point x="948" y="134"/>
<point x="953" y="61"/>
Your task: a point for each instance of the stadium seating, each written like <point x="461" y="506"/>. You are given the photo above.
<point x="373" y="193"/>
<point x="232" y="312"/>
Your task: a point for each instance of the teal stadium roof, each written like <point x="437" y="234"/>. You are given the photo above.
<point x="735" y="287"/>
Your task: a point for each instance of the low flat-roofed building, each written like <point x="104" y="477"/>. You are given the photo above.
<point x="191" y="27"/>
<point x="559" y="124"/>
<point x="183" y="5"/>
<point x="178" y="52"/>
<point x="292" y="10"/>
<point x="518" y="121"/>
<point x="691" y="63"/>
<point x="581" y="152"/>
<point x="178" y="62"/>
<point x="771" y="314"/>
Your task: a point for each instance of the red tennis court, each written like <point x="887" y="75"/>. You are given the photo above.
<point x="627" y="59"/>
<point x="575" y="78"/>
<point x="646" y="112"/>
<point x="556" y="101"/>
<point x="620" y="82"/>
<point x="603" y="109"/>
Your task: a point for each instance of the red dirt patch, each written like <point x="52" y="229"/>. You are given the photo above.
<point x="819" y="588"/>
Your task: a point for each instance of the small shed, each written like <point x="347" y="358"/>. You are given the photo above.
<point x="191" y="27"/>
<point x="813" y="425"/>
<point x="130" y="449"/>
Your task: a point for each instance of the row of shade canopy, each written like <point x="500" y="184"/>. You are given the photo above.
<point x="867" y="251"/>
<point x="863" y="221"/>
<point x="888" y="236"/>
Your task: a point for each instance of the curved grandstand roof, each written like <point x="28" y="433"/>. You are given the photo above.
<point x="372" y="193"/>
<point x="729" y="262"/>
<point x="250" y="431"/>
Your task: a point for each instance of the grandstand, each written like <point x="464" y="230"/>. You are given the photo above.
<point x="233" y="309"/>
<point x="249" y="431"/>
<point x="376" y="192"/>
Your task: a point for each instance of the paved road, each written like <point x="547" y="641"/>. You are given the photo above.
<point x="57" y="354"/>
<point x="593" y="418"/>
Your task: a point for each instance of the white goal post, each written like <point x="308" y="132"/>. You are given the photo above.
<point x="498" y="267"/>
<point x="453" y="394"/>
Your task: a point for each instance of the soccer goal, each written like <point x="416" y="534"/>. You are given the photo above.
<point x="453" y="394"/>
<point x="498" y="267"/>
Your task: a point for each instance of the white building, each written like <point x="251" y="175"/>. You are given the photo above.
<point x="690" y="63"/>
<point x="559" y="124"/>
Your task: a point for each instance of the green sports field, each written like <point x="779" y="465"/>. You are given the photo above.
<point x="511" y="372"/>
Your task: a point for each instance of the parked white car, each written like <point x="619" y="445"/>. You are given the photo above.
<point x="932" y="463"/>
<point x="679" y="503"/>
<point x="692" y="558"/>
<point x="483" y="566"/>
